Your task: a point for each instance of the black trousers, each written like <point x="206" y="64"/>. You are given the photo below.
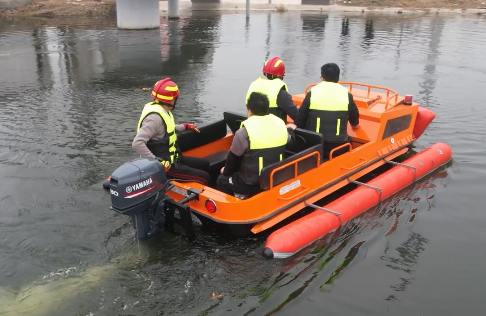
<point x="235" y="184"/>
<point x="191" y="169"/>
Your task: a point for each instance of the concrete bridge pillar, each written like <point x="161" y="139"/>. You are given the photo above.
<point x="137" y="14"/>
<point x="173" y="9"/>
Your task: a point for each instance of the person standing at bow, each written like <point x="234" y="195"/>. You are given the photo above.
<point x="156" y="136"/>
<point x="275" y="89"/>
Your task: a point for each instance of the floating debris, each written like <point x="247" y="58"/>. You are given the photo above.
<point x="214" y="296"/>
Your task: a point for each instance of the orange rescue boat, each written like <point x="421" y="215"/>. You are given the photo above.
<point x="389" y="124"/>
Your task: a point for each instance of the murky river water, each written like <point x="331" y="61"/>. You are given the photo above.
<point x="68" y="114"/>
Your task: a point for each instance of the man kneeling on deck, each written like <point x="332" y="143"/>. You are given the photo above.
<point x="327" y="108"/>
<point x="259" y="142"/>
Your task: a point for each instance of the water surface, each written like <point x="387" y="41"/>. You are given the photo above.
<point x="68" y="113"/>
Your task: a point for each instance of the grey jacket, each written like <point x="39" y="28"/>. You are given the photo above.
<point x="153" y="127"/>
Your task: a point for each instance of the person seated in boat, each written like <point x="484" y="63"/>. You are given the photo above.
<point x="327" y="108"/>
<point x="156" y="136"/>
<point x="275" y="89"/>
<point x="259" y="142"/>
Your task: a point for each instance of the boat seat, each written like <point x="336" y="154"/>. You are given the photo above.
<point x="217" y="160"/>
<point x="208" y="133"/>
<point x="233" y="120"/>
<point x="305" y="139"/>
<point x="288" y="172"/>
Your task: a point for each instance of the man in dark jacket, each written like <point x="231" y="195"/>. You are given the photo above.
<point x="327" y="108"/>
<point x="280" y="100"/>
<point x="259" y="142"/>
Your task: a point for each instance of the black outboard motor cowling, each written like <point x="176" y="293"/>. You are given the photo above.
<point x="137" y="190"/>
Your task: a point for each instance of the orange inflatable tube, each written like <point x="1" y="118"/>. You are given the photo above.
<point x="424" y="118"/>
<point x="288" y="240"/>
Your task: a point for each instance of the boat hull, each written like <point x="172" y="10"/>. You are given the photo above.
<point x="289" y="239"/>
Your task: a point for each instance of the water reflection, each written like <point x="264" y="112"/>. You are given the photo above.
<point x="134" y="46"/>
<point x="192" y="41"/>
<point x="369" y="34"/>
<point x="399" y="47"/>
<point x="190" y="54"/>
<point x="247" y="29"/>
<point x="313" y="30"/>
<point x="430" y="77"/>
<point x="344" y="44"/>
<point x="269" y="33"/>
<point x="345" y="27"/>
<point x="408" y="254"/>
<point x="314" y="23"/>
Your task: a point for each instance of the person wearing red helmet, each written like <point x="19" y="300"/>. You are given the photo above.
<point x="156" y="136"/>
<point x="275" y="89"/>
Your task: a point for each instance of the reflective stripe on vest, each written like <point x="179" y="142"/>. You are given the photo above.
<point x="168" y="119"/>
<point x="332" y="98"/>
<point x="268" y="137"/>
<point x="271" y="88"/>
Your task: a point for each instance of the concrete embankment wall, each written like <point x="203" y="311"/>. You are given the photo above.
<point x="269" y="2"/>
<point x="13" y="3"/>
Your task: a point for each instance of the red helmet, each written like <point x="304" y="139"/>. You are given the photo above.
<point x="274" y="66"/>
<point x="165" y="90"/>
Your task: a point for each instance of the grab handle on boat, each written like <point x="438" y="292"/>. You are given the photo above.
<point x="295" y="163"/>
<point x="304" y="189"/>
<point x="340" y="147"/>
<point x="363" y="161"/>
<point x="307" y="88"/>
<point x="390" y="94"/>
<point x="371" y="103"/>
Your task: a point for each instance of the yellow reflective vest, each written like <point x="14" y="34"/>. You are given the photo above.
<point x="328" y="111"/>
<point x="164" y="148"/>
<point x="271" y="89"/>
<point x="268" y="137"/>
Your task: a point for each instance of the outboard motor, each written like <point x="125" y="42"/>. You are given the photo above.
<point x="138" y="190"/>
